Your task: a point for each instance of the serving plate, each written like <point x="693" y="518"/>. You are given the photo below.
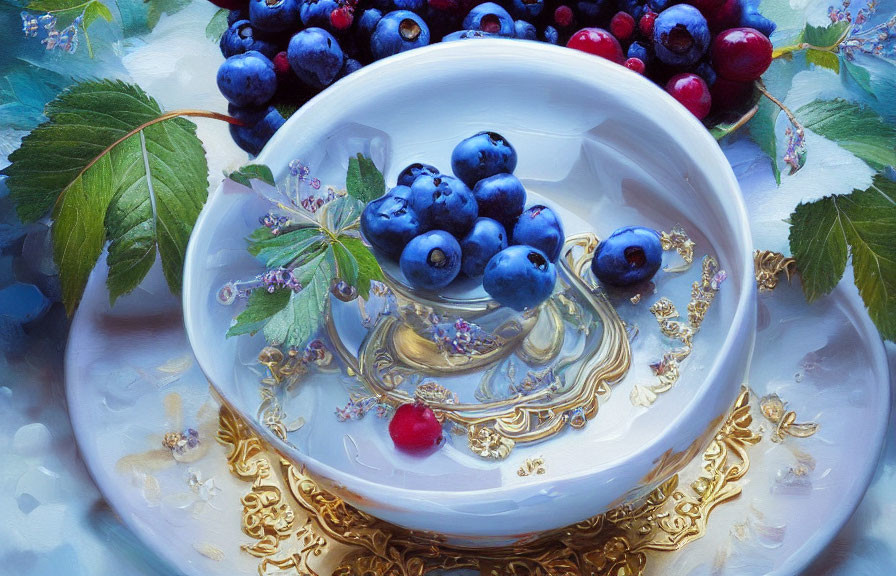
<point x="603" y="146"/>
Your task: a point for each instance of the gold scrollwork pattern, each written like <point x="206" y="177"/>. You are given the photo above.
<point x="341" y="540"/>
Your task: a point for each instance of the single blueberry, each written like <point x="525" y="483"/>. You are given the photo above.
<point x="415" y="170"/>
<point x="368" y="21"/>
<point x="261" y="123"/>
<point x="501" y="197"/>
<point x="389" y="222"/>
<point x="274" y="15"/>
<point x="491" y="18"/>
<point x="524" y="30"/>
<point x="705" y="71"/>
<point x="482" y="155"/>
<point x="540" y="228"/>
<point x="444" y="202"/>
<point x="634" y="7"/>
<point x="418" y="6"/>
<point x="519" y="277"/>
<point x="680" y="35"/>
<point x="315" y="57"/>
<point x="551" y="36"/>
<point x="466" y="35"/>
<point x="239" y="37"/>
<point x="350" y="65"/>
<point x="628" y="256"/>
<point x="396" y="32"/>
<point x="431" y="260"/>
<point x="487" y="238"/>
<point x="247" y="79"/>
<point x="526" y="9"/>
<point x="317" y="13"/>
<point x="640" y="51"/>
<point x="23" y="302"/>
<point x="660" y="5"/>
<point x="751" y="18"/>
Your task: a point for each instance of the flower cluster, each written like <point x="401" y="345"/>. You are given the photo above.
<point x="877" y="40"/>
<point x="65" y="40"/>
<point x="273" y="222"/>
<point x="796" y="147"/>
<point x="280" y="278"/>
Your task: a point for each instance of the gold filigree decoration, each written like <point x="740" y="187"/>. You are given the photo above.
<point x="489" y="443"/>
<point x="677" y="239"/>
<point x="432" y="392"/>
<point x="667" y="370"/>
<point x="341" y="540"/>
<point x="532" y="466"/>
<point x="769" y="266"/>
<point x="775" y="411"/>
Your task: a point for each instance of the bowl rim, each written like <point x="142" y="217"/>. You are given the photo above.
<point x="545" y="54"/>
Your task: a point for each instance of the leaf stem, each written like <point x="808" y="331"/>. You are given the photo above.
<point x="786" y="50"/>
<point x="760" y="85"/>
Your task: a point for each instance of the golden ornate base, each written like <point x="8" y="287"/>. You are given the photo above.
<point x="298" y="527"/>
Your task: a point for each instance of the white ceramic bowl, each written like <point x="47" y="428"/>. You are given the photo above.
<point x="604" y="145"/>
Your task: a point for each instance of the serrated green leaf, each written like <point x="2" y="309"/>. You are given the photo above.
<point x="261" y="306"/>
<point x="217" y="25"/>
<point x="285" y="248"/>
<point x="818" y="243"/>
<point x="303" y="316"/>
<point x="94" y="11"/>
<point x="346" y="265"/>
<point x="824" y="59"/>
<point x="855" y="128"/>
<point x="368" y="267"/>
<point x="342" y="213"/>
<point x="825" y="36"/>
<point x="762" y="130"/>
<point x="250" y="172"/>
<point x="861" y="76"/>
<point x="363" y="180"/>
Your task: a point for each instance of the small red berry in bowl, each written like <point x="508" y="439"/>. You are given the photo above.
<point x="622" y="26"/>
<point x="645" y="24"/>
<point x="415" y="428"/>
<point x="281" y="65"/>
<point x="692" y="92"/>
<point x="635" y="64"/>
<point x="563" y="16"/>
<point x="342" y="18"/>
<point x="599" y="42"/>
<point x="741" y="54"/>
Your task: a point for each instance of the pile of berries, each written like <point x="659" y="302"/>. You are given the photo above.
<point x="439" y="226"/>
<point x="281" y="52"/>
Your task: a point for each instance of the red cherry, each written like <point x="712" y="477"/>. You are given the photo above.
<point x="645" y="24"/>
<point x="414" y="427"/>
<point x="693" y="93"/>
<point x="622" y="26"/>
<point x="741" y="54"/>
<point x="281" y="65"/>
<point x="563" y="16"/>
<point x="729" y="95"/>
<point x="230" y="4"/>
<point x="599" y="42"/>
<point x="342" y="18"/>
<point x="726" y="16"/>
<point x="635" y="64"/>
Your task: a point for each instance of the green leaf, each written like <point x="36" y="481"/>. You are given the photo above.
<point x="762" y="130"/>
<point x="251" y="172"/>
<point x="284" y="248"/>
<point x="858" y="73"/>
<point x="342" y="213"/>
<point x="824" y="59"/>
<point x="363" y="180"/>
<point x="261" y="306"/>
<point x="346" y="264"/>
<point x="303" y="316"/>
<point x="94" y="11"/>
<point x="155" y="9"/>
<point x="217" y="25"/>
<point x="855" y="128"/>
<point x="818" y="243"/>
<point x="825" y="36"/>
<point x="368" y="268"/>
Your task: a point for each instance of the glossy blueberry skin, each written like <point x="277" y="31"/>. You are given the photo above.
<point x="414" y="171"/>
<point x="526" y="9"/>
<point x="431" y="260"/>
<point x="389" y="222"/>
<point x="482" y="155"/>
<point x="640" y="51"/>
<point x="368" y="21"/>
<point x="501" y="197"/>
<point x="281" y="16"/>
<point x="751" y="18"/>
<point x="629" y="256"/>
<point x="524" y="30"/>
<point x="467" y="35"/>
<point x="538" y="226"/>
<point x="396" y="32"/>
<point x="519" y="277"/>
<point x="315" y="56"/>
<point x="239" y="38"/>
<point x="490" y="17"/>
<point x="680" y="35"/>
<point x="247" y="79"/>
<point x="551" y="36"/>
<point x="317" y="13"/>
<point x="487" y="238"/>
<point x="444" y="202"/>
<point x="261" y="123"/>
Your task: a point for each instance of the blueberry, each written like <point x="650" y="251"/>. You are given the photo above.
<point x="751" y="18"/>
<point x="317" y="13"/>
<point x="389" y="223"/>
<point x="590" y="10"/>
<point x="540" y="228"/>
<point x="501" y="197"/>
<point x="396" y="32"/>
<point x="660" y="5"/>
<point x="444" y="202"/>
<point x="705" y="71"/>
<point x="412" y="172"/>
<point x="261" y="123"/>
<point x="466" y="35"/>
<point x="237" y="15"/>
<point x="315" y="57"/>
<point x="519" y="277"/>
<point x="418" y="6"/>
<point x="680" y="35"/>
<point x="482" y="155"/>
<point x="634" y="7"/>
<point x="629" y="256"/>
<point x="274" y="15"/>
<point x="368" y="21"/>
<point x="640" y="51"/>
<point x="486" y="239"/>
<point x="524" y="30"/>
<point x="247" y="79"/>
<point x="491" y="18"/>
<point x="551" y="36"/>
<point x="526" y="9"/>
<point x="431" y="260"/>
<point x="239" y="38"/>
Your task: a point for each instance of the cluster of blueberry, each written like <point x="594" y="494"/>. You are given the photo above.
<point x="439" y="226"/>
<point x="282" y="52"/>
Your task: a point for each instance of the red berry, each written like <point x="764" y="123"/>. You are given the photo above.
<point x="414" y="427"/>
<point x="622" y="26"/>
<point x="645" y="24"/>
<point x="563" y="16"/>
<point x="635" y="64"/>
<point x="693" y="93"/>
<point x="281" y="65"/>
<point x="741" y="54"/>
<point x="599" y="42"/>
<point x="726" y="16"/>
<point x="707" y="7"/>
<point x="341" y="18"/>
<point x="729" y="95"/>
<point x="230" y="4"/>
